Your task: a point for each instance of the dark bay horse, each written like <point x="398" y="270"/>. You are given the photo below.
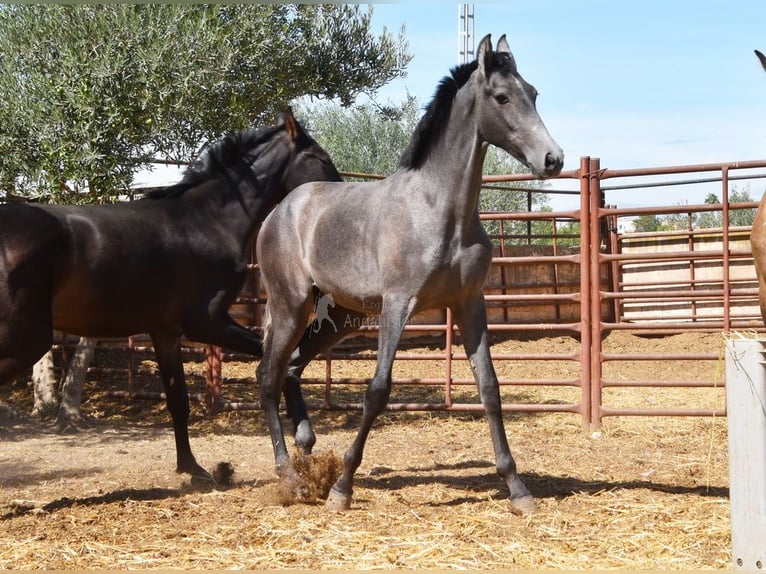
<point x="169" y="264"/>
<point x="410" y="242"/>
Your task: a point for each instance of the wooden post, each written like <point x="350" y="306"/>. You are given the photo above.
<point x="746" y="413"/>
<point x="213" y="359"/>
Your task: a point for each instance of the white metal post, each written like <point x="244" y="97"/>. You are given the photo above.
<point x="465" y="33"/>
<point x="746" y="414"/>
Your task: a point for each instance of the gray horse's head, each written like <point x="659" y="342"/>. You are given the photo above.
<point x="507" y="116"/>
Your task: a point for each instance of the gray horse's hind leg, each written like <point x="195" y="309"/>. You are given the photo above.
<point x="394" y="315"/>
<point x="167" y="347"/>
<point x="471" y="318"/>
<point x="344" y="322"/>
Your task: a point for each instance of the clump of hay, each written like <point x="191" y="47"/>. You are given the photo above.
<point x="317" y="472"/>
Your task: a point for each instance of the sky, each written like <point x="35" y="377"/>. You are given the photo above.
<point x="635" y="83"/>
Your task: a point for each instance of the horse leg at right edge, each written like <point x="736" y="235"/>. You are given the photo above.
<point x="471" y="318"/>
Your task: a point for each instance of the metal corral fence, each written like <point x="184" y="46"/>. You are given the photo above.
<point x="585" y="276"/>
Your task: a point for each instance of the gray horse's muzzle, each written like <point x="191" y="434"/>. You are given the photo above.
<point x="553" y="163"/>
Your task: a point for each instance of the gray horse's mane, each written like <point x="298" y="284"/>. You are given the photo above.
<point x="431" y="126"/>
<point x="229" y="153"/>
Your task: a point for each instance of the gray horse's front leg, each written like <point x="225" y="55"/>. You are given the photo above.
<point x="394" y="315"/>
<point x="471" y="319"/>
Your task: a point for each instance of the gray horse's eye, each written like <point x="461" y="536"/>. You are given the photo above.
<point x="502" y="99"/>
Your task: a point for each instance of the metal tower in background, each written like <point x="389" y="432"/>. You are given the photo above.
<point x="465" y="31"/>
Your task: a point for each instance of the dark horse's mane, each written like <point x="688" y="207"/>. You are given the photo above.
<point x="431" y="126"/>
<point x="231" y="153"/>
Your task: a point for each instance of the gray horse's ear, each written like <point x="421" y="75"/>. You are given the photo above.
<point x="485" y="54"/>
<point x="504" y="48"/>
<point x="502" y="45"/>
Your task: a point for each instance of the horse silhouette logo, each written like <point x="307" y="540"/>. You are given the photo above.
<point x="322" y="313"/>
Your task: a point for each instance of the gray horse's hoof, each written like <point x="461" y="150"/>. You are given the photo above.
<point x="305" y="437"/>
<point x="337" y="501"/>
<point x="523" y="505"/>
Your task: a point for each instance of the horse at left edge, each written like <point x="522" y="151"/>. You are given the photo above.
<point x="169" y="264"/>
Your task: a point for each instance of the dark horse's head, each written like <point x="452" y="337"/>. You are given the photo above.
<point x="271" y="160"/>
<point x="306" y="159"/>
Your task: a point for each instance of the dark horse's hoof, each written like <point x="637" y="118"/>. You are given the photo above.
<point x="200" y="478"/>
<point x="201" y="482"/>
<point x="221" y="477"/>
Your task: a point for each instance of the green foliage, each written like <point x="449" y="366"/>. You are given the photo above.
<point x="712" y="219"/>
<point x="514" y="198"/>
<point x="648" y="223"/>
<point x="93" y="92"/>
<point x="367" y="138"/>
<point x="567" y="233"/>
<point x="741" y="217"/>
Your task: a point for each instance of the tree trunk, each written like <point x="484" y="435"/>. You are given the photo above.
<point x="44" y="380"/>
<point x="69" y="416"/>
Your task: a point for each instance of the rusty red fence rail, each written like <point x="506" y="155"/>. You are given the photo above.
<point x="592" y="292"/>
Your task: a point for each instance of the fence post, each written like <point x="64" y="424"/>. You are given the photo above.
<point x="213" y="358"/>
<point x="746" y="406"/>
<point x="585" y="313"/>
<point x="726" y="261"/>
<point x="594" y="221"/>
<point x="448" y="342"/>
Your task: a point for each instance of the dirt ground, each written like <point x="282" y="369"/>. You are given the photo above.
<point x="643" y="492"/>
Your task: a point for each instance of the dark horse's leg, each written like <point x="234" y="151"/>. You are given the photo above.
<point x="167" y="346"/>
<point x="218" y="328"/>
<point x="394" y="315"/>
<point x="26" y="328"/>
<point x="471" y="318"/>
<point x="311" y="344"/>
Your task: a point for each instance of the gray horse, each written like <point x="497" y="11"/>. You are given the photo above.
<point x="410" y="242"/>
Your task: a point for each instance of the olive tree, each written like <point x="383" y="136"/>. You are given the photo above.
<point x="368" y="138"/>
<point x="92" y="94"/>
